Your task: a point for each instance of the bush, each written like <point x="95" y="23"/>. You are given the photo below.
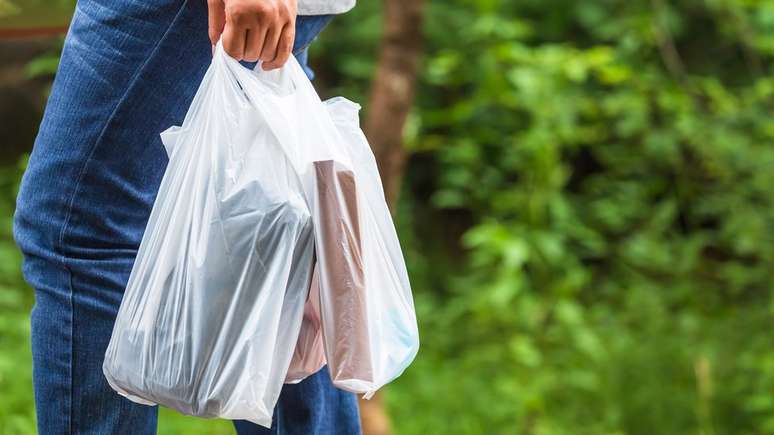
<point x="588" y="214"/>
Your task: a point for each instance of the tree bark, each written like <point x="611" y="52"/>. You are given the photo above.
<point x="392" y="95"/>
<point x="392" y="92"/>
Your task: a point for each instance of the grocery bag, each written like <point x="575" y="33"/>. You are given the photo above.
<point x="264" y="181"/>
<point x="215" y="300"/>
<point x="368" y="322"/>
<point x="360" y="306"/>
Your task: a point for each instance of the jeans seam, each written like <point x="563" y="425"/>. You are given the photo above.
<point x="71" y="386"/>
<point x="304" y="47"/>
<point x="97" y="142"/>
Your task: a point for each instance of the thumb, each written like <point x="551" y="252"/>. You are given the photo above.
<point x="216" y="12"/>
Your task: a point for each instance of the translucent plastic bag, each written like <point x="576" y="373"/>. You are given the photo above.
<point x="367" y="314"/>
<point x="370" y="339"/>
<point x="366" y="320"/>
<point x="214" y="303"/>
<point x="262" y="179"/>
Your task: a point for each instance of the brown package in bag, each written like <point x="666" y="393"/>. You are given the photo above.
<point x="341" y="275"/>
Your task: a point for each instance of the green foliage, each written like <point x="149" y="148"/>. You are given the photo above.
<point x="34" y="13"/>
<point x="7" y="8"/>
<point x="587" y="215"/>
<point x="593" y="186"/>
<point x="16" y="412"/>
<point x="42" y="66"/>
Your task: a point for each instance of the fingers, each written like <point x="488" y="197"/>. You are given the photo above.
<point x="284" y="47"/>
<point x="254" y="29"/>
<point x="254" y="43"/>
<point x="216" y="15"/>
<point x="234" y="40"/>
<point x="269" y="51"/>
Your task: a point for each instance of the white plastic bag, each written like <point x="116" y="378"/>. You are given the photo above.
<point x="214" y="303"/>
<point x="369" y="342"/>
<point x="367" y="313"/>
<point x="262" y="175"/>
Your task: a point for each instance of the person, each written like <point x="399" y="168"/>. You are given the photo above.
<point x="129" y="70"/>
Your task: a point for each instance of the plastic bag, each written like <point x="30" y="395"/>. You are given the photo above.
<point x="263" y="177"/>
<point x="367" y="314"/>
<point x="366" y="320"/>
<point x="214" y="303"/>
<point x="369" y="325"/>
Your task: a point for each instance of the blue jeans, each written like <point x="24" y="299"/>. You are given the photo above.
<point x="129" y="70"/>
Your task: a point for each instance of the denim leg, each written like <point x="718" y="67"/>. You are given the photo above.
<point x="69" y="333"/>
<point x="129" y="70"/>
<point x="311" y="407"/>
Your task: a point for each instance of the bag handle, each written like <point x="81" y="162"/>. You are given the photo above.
<point x="282" y="81"/>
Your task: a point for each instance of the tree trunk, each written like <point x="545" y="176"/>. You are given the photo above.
<point x="392" y="94"/>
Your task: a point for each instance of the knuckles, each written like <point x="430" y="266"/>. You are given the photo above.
<point x="251" y="11"/>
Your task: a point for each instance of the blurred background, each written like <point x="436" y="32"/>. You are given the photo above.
<point x="584" y="192"/>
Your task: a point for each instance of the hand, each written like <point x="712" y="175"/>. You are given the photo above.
<point x="254" y="30"/>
